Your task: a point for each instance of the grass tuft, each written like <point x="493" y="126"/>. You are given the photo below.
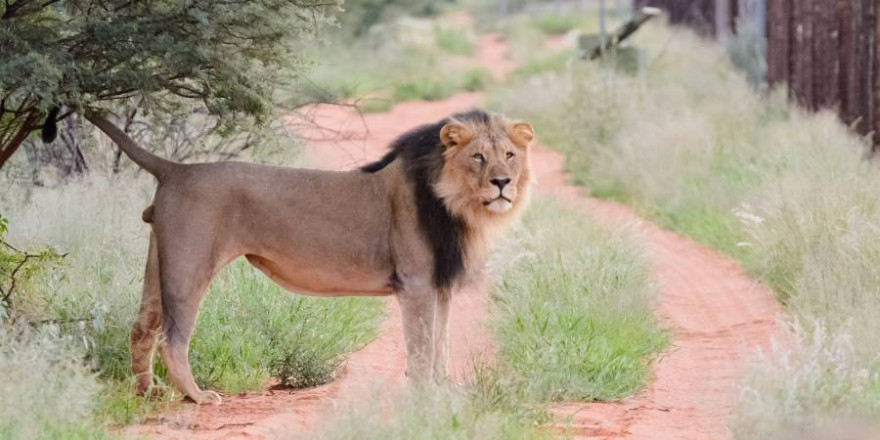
<point x="573" y="313"/>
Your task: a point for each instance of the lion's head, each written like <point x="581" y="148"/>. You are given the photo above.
<point x="486" y="174"/>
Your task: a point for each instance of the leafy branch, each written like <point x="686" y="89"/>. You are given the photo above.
<point x="20" y="266"/>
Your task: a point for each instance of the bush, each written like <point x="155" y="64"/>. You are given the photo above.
<point x="557" y="23"/>
<point x="476" y="80"/>
<point x="454" y="41"/>
<point x="423" y="90"/>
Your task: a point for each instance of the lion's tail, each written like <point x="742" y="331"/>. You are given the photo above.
<point x="151" y="163"/>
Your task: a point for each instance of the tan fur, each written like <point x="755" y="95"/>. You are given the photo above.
<point x="319" y="233"/>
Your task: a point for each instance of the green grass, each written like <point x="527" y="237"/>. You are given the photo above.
<point x="47" y="391"/>
<point x="554" y="23"/>
<point x="249" y="332"/>
<point x="454" y="41"/>
<point x="573" y="313"/>
<point x="690" y="145"/>
<point x="476" y="79"/>
<point x="550" y="63"/>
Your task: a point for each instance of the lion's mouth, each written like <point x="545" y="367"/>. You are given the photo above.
<point x="499" y="205"/>
<point x="489" y="202"/>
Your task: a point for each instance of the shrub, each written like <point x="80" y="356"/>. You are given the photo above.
<point x="557" y="23"/>
<point x="454" y="41"/>
<point x="476" y="80"/>
<point x="423" y="90"/>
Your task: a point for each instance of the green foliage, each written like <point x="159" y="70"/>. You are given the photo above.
<point x="551" y="63"/>
<point x="573" y="315"/>
<point x="424" y="90"/>
<point x="47" y="391"/>
<point x="557" y="23"/>
<point x="155" y="55"/>
<point x="361" y="15"/>
<point x="454" y="41"/>
<point x="476" y="80"/>
<point x="17" y="268"/>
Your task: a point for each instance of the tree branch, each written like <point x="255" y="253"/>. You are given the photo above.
<point x="26" y="127"/>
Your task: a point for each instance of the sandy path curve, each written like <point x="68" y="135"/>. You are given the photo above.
<point x="719" y="318"/>
<point x="717" y="315"/>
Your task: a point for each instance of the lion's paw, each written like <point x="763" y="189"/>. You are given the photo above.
<point x="207" y="398"/>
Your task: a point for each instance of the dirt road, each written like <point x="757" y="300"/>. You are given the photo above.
<point x="717" y="315"/>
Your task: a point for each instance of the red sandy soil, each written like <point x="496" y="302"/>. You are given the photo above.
<point x="717" y="315"/>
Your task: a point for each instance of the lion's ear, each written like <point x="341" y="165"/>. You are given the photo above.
<point x="455" y="135"/>
<point x="521" y="134"/>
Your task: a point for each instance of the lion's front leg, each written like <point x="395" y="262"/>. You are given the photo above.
<point x="418" y="303"/>
<point x="441" y="335"/>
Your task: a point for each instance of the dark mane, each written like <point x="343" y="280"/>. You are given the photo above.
<point x="422" y="155"/>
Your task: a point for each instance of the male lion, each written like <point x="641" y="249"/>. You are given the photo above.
<point x="413" y="224"/>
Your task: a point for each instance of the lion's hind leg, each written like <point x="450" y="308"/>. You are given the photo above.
<point x="146" y="329"/>
<point x="188" y="260"/>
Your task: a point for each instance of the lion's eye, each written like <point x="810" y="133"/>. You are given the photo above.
<point x="510" y="155"/>
<point x="479" y="158"/>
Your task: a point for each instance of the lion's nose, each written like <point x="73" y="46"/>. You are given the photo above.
<point x="500" y="182"/>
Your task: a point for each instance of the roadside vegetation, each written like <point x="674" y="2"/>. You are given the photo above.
<point x="688" y="143"/>
<point x="573" y="310"/>
<point x="572" y="320"/>
<point x="406" y="59"/>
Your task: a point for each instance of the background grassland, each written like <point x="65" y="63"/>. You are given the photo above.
<point x="689" y="144"/>
<point x="407" y="59"/>
<point x="249" y="331"/>
<point x="572" y="320"/>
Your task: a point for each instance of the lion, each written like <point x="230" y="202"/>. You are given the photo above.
<point x="413" y="224"/>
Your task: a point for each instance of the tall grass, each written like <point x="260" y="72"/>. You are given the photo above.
<point x="249" y="332"/>
<point x="47" y="391"/>
<point x="689" y="144"/>
<point x="572" y="315"/>
<point x="572" y="320"/>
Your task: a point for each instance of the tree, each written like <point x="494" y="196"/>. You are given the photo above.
<point x="62" y="56"/>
